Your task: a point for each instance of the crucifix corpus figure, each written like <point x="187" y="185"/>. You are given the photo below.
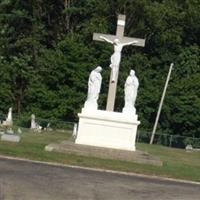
<point x="119" y="41"/>
<point x="116" y="56"/>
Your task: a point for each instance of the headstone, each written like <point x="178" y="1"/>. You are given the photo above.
<point x="35" y="126"/>
<point x="75" y="130"/>
<point x="48" y="128"/>
<point x="19" y="131"/>
<point x="8" y="122"/>
<point x="10" y="138"/>
<point x="48" y="125"/>
<point x="33" y="123"/>
<point x="189" y="147"/>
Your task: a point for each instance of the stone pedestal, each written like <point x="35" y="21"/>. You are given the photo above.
<point x="107" y="129"/>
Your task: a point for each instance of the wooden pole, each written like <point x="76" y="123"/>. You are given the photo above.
<point x="161" y="103"/>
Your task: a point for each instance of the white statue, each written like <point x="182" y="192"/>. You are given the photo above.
<point x="33" y="123"/>
<point x="19" y="131"/>
<point x="35" y="126"/>
<point x="94" y="87"/>
<point x="9" y="118"/>
<point x="116" y="56"/>
<point x="130" y="89"/>
<point x="75" y="130"/>
<point x="8" y="121"/>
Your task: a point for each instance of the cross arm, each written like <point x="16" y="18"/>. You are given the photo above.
<point x="96" y="36"/>
<point x="125" y="40"/>
<point x="138" y="42"/>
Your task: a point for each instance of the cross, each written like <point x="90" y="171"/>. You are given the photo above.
<point x="120" y="36"/>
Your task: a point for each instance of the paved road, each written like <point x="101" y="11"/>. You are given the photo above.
<point x="20" y="180"/>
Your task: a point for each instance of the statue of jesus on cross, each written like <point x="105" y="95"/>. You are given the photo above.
<point x="119" y="41"/>
<point x="116" y="56"/>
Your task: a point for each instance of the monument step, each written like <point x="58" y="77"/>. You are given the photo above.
<point x="105" y="153"/>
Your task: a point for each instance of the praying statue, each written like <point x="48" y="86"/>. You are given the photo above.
<point x="94" y="87"/>
<point x="116" y="56"/>
<point x="130" y="89"/>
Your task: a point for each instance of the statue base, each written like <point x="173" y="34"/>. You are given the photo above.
<point x="107" y="129"/>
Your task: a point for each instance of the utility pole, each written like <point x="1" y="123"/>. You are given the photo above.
<point x="161" y="103"/>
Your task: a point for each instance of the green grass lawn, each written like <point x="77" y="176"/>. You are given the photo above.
<point x="177" y="162"/>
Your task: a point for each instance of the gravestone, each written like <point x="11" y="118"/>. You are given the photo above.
<point x="9" y="121"/>
<point x="75" y="130"/>
<point x="35" y="126"/>
<point x="10" y="136"/>
<point x="19" y="131"/>
<point x="189" y="147"/>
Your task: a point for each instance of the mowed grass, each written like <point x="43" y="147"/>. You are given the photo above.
<point x="177" y="162"/>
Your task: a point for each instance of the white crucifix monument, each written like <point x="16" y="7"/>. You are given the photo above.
<point x="106" y="128"/>
<point x="118" y="41"/>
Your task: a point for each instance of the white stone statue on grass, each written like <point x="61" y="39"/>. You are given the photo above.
<point x="75" y="130"/>
<point x="33" y="123"/>
<point x="9" y="121"/>
<point x="94" y="87"/>
<point x="19" y="131"/>
<point x="116" y="56"/>
<point x="130" y="89"/>
<point x="34" y="126"/>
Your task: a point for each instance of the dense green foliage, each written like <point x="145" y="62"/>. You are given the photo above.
<point x="47" y="52"/>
